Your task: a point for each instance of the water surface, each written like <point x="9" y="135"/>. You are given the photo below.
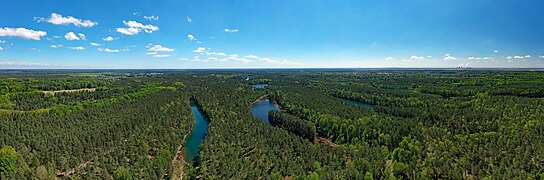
<point x="261" y="108"/>
<point x="260" y="86"/>
<point x="192" y="145"/>
<point x="349" y="101"/>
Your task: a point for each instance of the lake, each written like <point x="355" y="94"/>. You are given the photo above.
<point x="192" y="145"/>
<point x="357" y="103"/>
<point x="261" y="108"/>
<point x="260" y="86"/>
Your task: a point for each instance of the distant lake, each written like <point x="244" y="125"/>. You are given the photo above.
<point x="357" y="103"/>
<point x="261" y="108"/>
<point x="260" y="86"/>
<point x="192" y="145"/>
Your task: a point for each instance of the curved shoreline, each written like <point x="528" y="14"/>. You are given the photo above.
<point x="318" y="139"/>
<point x="179" y="159"/>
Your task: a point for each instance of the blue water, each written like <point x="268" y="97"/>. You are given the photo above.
<point x="261" y="108"/>
<point x="349" y="101"/>
<point x="192" y="145"/>
<point x="260" y="86"/>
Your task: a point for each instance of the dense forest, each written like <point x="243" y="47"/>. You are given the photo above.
<point x="417" y="124"/>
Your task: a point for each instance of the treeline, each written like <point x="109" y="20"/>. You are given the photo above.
<point x="47" y="83"/>
<point x="292" y="124"/>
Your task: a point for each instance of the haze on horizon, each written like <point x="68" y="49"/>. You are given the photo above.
<point x="271" y="34"/>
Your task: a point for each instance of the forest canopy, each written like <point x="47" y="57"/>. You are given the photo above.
<point x="422" y="124"/>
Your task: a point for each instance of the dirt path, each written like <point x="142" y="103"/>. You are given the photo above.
<point x="324" y="141"/>
<point x="178" y="163"/>
<point x="259" y="99"/>
<point x="70" y="91"/>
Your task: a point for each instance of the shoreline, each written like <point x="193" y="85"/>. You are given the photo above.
<point x="179" y="158"/>
<point x="318" y="139"/>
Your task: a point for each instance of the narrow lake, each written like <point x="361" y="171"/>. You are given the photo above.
<point x="261" y="108"/>
<point x="357" y="103"/>
<point x="260" y="86"/>
<point x="192" y="145"/>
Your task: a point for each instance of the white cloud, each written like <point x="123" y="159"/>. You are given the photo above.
<point x="413" y="58"/>
<point x="128" y="31"/>
<point x="79" y="48"/>
<point x="221" y="54"/>
<point x="463" y="65"/>
<point x="183" y="59"/>
<point x="22" y="33"/>
<point x="109" y="38"/>
<point x="200" y="60"/>
<point x="159" y="48"/>
<point x="212" y="58"/>
<point x="22" y="64"/>
<point x="39" y="19"/>
<point x="389" y="58"/>
<point x="252" y="57"/>
<point x="161" y="55"/>
<point x="60" y="20"/>
<point x="71" y="36"/>
<point x="541" y="56"/>
<point x="82" y="36"/>
<point x="190" y="37"/>
<point x="108" y="50"/>
<point x="518" y="57"/>
<point x="231" y="30"/>
<point x="479" y="58"/>
<point x="155" y="49"/>
<point x="2" y="41"/>
<point x="154" y="18"/>
<point x="495" y="51"/>
<point x="95" y="44"/>
<point x="189" y="20"/>
<point x="134" y="28"/>
<point x="56" y="46"/>
<point x="448" y="57"/>
<point x="200" y="50"/>
<point x="136" y="13"/>
<point x="1" y="49"/>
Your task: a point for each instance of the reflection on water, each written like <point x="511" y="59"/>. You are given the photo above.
<point x="261" y="108"/>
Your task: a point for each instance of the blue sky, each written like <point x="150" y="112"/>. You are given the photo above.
<point x="271" y="34"/>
